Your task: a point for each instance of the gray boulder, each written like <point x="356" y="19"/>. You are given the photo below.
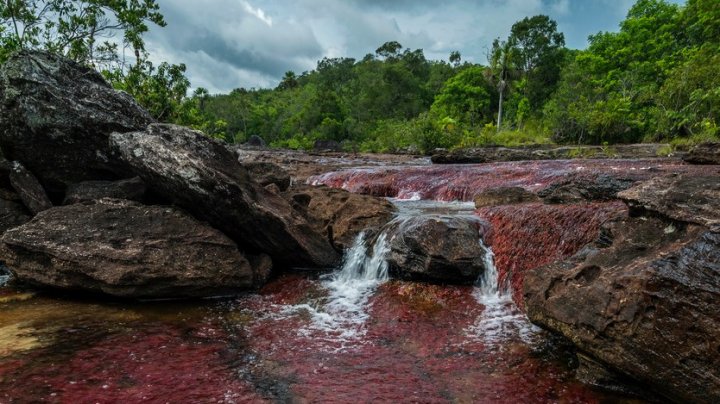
<point x="436" y="248"/>
<point x="56" y="116"/>
<point x="204" y="177"/>
<point x="125" y="249"/>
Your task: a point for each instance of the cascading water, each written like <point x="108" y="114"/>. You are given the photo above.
<point x="339" y="318"/>
<point x="500" y="317"/>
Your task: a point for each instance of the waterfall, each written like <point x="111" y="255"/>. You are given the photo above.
<point x="338" y="320"/>
<point x="359" y="266"/>
<point x="500" y="318"/>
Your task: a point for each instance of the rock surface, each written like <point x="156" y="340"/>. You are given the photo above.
<point x="704" y="153"/>
<point x="687" y="198"/>
<point x="341" y="214"/>
<point x="267" y="173"/>
<point x="642" y="301"/>
<point x="28" y="188"/>
<point x="204" y="177"/>
<point x="495" y="154"/>
<point x="125" y="249"/>
<point x="603" y="187"/>
<point x="436" y="248"/>
<point x="56" y="116"/>
<point x="132" y="189"/>
<point x="645" y="307"/>
<point x="504" y="196"/>
<point x="12" y="214"/>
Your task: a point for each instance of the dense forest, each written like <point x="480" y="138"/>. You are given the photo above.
<point x="656" y="79"/>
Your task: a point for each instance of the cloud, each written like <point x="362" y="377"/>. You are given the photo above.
<point x="251" y="43"/>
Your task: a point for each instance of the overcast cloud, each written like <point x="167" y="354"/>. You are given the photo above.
<point x="228" y="44"/>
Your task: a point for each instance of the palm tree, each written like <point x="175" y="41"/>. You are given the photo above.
<point x="501" y="63"/>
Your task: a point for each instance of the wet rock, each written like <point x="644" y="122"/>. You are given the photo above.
<point x="687" y="198"/>
<point x="131" y="189"/>
<point x="255" y="141"/>
<point x="204" y="177"/>
<point x="125" y="249"/>
<point x="28" y="189"/>
<point x="504" y="196"/>
<point x="268" y="173"/>
<point x="645" y="306"/>
<point x="436" y="248"/>
<point x="340" y="214"/>
<point x="704" y="153"/>
<point x="524" y="237"/>
<point x="603" y="187"/>
<point x="56" y="116"/>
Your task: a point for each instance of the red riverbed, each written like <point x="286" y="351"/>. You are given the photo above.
<point x="463" y="182"/>
<point x="418" y="343"/>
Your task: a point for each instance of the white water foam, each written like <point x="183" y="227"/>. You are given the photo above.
<point x="339" y="319"/>
<point x="501" y="319"/>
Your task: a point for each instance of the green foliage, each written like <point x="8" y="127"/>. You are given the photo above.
<point x="466" y="97"/>
<point x="77" y="29"/>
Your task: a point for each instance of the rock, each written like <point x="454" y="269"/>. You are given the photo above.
<point x="262" y="269"/>
<point x="686" y="198"/>
<point x="125" y="249"/>
<point x="603" y="187"/>
<point x="327" y="146"/>
<point x="504" y="196"/>
<point x="29" y="189"/>
<point x="704" y="153"/>
<point x="340" y="214"/>
<point x="255" y="141"/>
<point x="131" y="189"/>
<point x="204" y="177"/>
<point x="645" y="306"/>
<point x="495" y="154"/>
<point x="12" y="214"/>
<point x="56" y="116"/>
<point x="268" y="173"/>
<point x="436" y="248"/>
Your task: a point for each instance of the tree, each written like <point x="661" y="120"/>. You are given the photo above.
<point x="502" y="65"/>
<point x="466" y="97"/>
<point x="455" y="58"/>
<point x="538" y="54"/>
<point x="288" y="81"/>
<point x="80" y="30"/>
<point x="389" y="50"/>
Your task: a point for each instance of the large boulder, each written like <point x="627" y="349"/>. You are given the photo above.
<point x="642" y="301"/>
<point x="204" y="177"/>
<point x="56" y="116"/>
<point x="704" y="153"/>
<point x="340" y="214"/>
<point x="131" y="189"/>
<point x="436" y="248"/>
<point x="125" y="249"/>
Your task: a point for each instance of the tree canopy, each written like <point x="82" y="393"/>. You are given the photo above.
<point x="656" y="78"/>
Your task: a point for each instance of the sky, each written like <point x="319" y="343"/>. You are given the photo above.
<point x="229" y="44"/>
